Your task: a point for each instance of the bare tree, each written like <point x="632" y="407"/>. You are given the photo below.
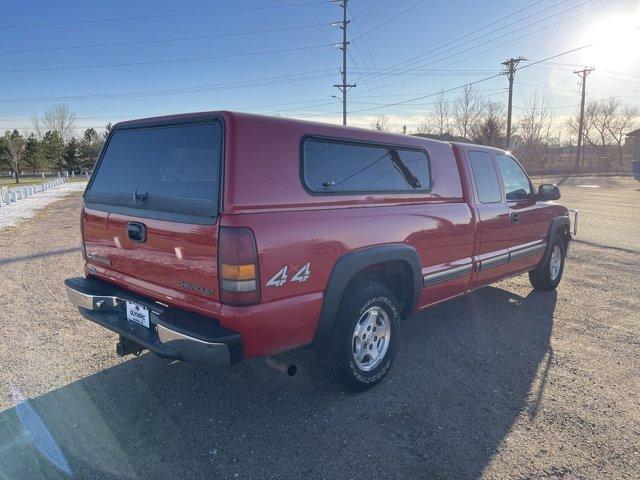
<point x="439" y="120"/>
<point x="534" y="131"/>
<point x="14" y="146"/>
<point x="598" y="116"/>
<point x="381" y="123"/>
<point x="622" y="123"/>
<point x="491" y="124"/>
<point x="58" y="118"/>
<point x="467" y="111"/>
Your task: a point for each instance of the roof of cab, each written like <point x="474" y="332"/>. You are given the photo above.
<point x="475" y="146"/>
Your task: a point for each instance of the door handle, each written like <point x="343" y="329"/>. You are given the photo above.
<point x="137" y="232"/>
<point x="515" y="217"/>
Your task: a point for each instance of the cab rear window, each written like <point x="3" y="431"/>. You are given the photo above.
<point x="172" y="169"/>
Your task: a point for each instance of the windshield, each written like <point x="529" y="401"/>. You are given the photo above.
<point x="172" y="168"/>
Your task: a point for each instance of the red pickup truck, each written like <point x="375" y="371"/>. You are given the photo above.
<point x="213" y="237"/>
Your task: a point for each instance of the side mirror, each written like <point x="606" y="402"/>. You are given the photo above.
<point x="548" y="191"/>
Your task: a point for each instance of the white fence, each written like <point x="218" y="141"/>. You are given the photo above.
<point x="8" y="195"/>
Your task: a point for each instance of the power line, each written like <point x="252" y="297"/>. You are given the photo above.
<point x="427" y="95"/>
<point x="366" y="69"/>
<point x="359" y="14"/>
<point x="158" y="62"/>
<point x="163" y="40"/>
<point x="431" y="53"/>
<point x="390" y="19"/>
<point x="171" y="15"/>
<point x="506" y="43"/>
<point x="476" y="45"/>
<point x="456" y="88"/>
<point x="264" y="81"/>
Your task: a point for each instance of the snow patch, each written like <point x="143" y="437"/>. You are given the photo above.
<point x="27" y="207"/>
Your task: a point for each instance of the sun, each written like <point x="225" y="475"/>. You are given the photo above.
<point x="614" y="42"/>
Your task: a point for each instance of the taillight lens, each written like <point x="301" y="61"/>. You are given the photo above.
<point x="84" y="247"/>
<point x="238" y="266"/>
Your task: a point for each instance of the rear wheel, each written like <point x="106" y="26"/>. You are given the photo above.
<point x="548" y="275"/>
<point x="365" y="337"/>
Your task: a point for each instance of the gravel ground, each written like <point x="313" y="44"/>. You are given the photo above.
<point x="505" y="383"/>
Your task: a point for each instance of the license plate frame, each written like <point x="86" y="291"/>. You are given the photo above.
<point x="137" y="313"/>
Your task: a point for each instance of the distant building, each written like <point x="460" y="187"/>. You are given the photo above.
<point x="636" y="152"/>
<point x="636" y="142"/>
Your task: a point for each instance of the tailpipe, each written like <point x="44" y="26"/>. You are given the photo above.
<point x="282" y="366"/>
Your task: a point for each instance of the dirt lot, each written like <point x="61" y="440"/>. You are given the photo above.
<point x="505" y="383"/>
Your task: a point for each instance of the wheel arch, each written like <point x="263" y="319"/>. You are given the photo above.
<point x="349" y="266"/>
<point x="559" y="225"/>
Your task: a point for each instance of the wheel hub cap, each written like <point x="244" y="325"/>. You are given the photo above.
<point x="371" y="338"/>
<point x="555" y="262"/>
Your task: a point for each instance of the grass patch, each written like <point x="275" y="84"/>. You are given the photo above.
<point x="10" y="182"/>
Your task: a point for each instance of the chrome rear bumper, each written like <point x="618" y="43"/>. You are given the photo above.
<point x="172" y="333"/>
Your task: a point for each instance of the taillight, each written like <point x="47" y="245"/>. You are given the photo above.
<point x="238" y="266"/>
<point x="84" y="247"/>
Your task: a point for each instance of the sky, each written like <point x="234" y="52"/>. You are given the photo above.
<point x="117" y="60"/>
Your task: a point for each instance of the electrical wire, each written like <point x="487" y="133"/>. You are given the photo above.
<point x="159" y="62"/>
<point x="171" y="15"/>
<point x="163" y="40"/>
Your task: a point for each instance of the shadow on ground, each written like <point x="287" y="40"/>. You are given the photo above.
<point x="464" y="373"/>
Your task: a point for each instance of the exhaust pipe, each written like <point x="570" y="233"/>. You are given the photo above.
<point x="282" y="366"/>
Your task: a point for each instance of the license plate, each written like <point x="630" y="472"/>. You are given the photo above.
<point x="138" y="313"/>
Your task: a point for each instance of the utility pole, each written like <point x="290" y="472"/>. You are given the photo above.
<point x="344" y="86"/>
<point x="511" y="65"/>
<point x="583" y="77"/>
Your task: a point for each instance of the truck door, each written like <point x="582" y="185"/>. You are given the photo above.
<point x="493" y="232"/>
<point x="528" y="217"/>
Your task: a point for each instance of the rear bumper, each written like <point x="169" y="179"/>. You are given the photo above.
<point x="173" y="333"/>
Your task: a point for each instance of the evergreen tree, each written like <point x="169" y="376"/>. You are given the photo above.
<point x="53" y="150"/>
<point x="70" y="155"/>
<point x="12" y="151"/>
<point x="90" y="146"/>
<point x="33" y="154"/>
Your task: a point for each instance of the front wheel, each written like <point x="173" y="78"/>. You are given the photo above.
<point x="365" y="337"/>
<point x="548" y="275"/>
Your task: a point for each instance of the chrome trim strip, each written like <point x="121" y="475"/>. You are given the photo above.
<point x="446" y="275"/>
<point x="493" y="261"/>
<point x="484" y="264"/>
<point x="526" y="251"/>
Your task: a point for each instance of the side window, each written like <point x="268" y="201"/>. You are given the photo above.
<point x="485" y="176"/>
<point x="516" y="182"/>
<point x="338" y="166"/>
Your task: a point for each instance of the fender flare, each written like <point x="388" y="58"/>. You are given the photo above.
<point x="350" y="264"/>
<point x="556" y="224"/>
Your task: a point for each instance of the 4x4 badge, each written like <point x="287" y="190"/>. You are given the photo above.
<point x="280" y="278"/>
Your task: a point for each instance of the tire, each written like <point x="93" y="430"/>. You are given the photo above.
<point x="548" y="275"/>
<point x="351" y="359"/>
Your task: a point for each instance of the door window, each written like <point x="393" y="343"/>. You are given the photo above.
<point x="484" y="174"/>
<point x="516" y="183"/>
